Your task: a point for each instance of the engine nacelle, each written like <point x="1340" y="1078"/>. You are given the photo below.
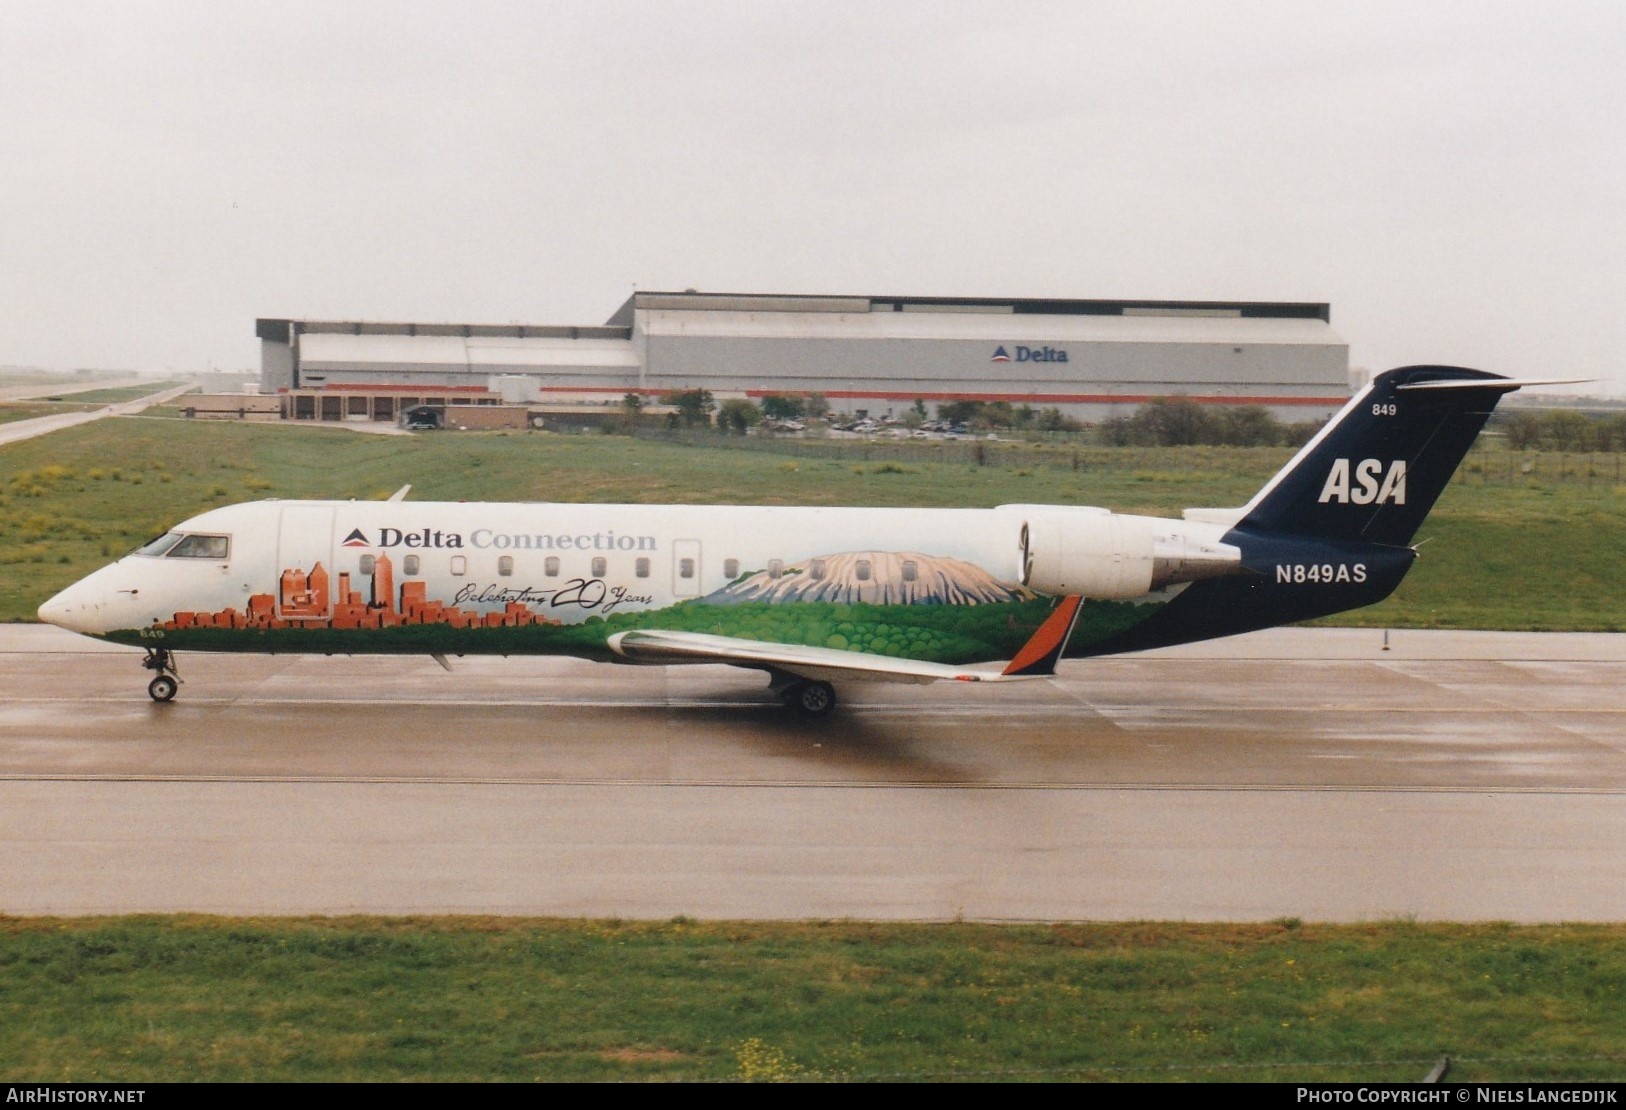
<point x="1099" y="554"/>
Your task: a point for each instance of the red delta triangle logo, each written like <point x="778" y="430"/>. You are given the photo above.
<point x="1000" y="355"/>
<point x="356" y="538"/>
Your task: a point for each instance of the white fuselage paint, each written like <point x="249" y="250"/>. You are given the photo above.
<point x="480" y="555"/>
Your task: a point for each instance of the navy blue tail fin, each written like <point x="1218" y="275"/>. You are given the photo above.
<point x="1373" y="473"/>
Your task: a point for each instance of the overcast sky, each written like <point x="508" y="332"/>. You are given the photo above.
<point x="1451" y="177"/>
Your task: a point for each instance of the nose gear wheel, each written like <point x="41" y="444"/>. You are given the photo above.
<point x="167" y="684"/>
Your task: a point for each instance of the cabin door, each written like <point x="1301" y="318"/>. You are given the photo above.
<point x="305" y="577"/>
<point x="686" y="568"/>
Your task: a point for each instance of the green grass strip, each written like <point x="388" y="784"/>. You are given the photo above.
<point x="459" y="999"/>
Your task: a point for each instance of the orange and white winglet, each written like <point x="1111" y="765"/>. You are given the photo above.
<point x="1043" y="649"/>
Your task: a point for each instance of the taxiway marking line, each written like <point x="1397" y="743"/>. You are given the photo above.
<point x="812" y="784"/>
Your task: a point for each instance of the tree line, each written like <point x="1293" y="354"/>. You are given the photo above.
<point x="698" y="408"/>
<point x="1160" y="422"/>
<point x="1561" y="430"/>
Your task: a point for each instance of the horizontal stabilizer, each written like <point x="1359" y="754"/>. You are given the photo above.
<point x="1503" y="385"/>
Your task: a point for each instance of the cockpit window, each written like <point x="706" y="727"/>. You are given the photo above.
<point x="200" y="547"/>
<point x="160" y="545"/>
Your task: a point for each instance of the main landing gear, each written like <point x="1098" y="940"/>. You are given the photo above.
<point x="168" y="681"/>
<point x="812" y="699"/>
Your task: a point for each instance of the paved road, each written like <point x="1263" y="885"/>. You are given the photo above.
<point x="1457" y="776"/>
<point x="19" y="430"/>
<point x="43" y="425"/>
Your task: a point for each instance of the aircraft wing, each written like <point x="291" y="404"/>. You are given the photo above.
<point x="812" y="663"/>
<point x="1037" y="659"/>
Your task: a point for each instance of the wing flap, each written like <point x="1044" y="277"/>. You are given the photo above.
<point x="658" y="646"/>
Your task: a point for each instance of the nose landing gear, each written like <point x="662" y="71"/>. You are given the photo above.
<point x="168" y="681"/>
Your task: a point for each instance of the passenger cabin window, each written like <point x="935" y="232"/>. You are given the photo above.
<point x="731" y="569"/>
<point x="863" y="570"/>
<point x="599" y="566"/>
<point x="685" y="568"/>
<point x="368" y="562"/>
<point x="409" y="565"/>
<point x="159" y="545"/>
<point x="505" y="565"/>
<point x="200" y="547"/>
<point x="460" y="564"/>
<point x="815" y="570"/>
<point x="911" y="570"/>
<point x="641" y="567"/>
<point x="776" y="567"/>
<point x="550" y="566"/>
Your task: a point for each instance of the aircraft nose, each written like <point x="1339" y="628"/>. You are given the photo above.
<point x="71" y="609"/>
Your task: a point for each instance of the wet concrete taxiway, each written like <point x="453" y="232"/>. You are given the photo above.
<point x="1457" y="776"/>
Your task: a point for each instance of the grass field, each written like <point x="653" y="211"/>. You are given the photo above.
<point x="1515" y="543"/>
<point x="153" y="999"/>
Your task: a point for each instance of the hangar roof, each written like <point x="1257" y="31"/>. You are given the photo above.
<point x="692" y="301"/>
<point x="988" y="327"/>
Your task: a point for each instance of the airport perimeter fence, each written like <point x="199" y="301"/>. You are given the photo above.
<point x="1490" y="462"/>
<point x="1059" y="453"/>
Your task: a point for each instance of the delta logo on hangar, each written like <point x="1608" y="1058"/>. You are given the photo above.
<point x="1031" y="354"/>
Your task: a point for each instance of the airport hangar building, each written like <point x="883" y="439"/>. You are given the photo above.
<point x="868" y="355"/>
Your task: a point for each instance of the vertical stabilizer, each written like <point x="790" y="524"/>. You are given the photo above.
<point x="1373" y="473"/>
